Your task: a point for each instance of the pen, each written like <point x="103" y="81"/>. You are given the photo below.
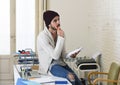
<point x="61" y="82"/>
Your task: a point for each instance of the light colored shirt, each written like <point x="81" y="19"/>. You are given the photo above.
<point x="48" y="50"/>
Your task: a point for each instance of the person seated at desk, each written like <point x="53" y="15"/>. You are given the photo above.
<point x="51" y="50"/>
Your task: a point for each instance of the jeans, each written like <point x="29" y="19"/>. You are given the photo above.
<point x="63" y="71"/>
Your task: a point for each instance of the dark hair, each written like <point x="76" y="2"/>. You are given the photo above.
<point x="48" y="16"/>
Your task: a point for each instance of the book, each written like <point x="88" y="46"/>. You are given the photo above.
<point x="73" y="52"/>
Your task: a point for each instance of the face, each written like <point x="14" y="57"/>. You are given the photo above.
<point x="55" y="23"/>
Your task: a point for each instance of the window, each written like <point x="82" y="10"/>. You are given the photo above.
<point x="4" y="27"/>
<point x="25" y="24"/>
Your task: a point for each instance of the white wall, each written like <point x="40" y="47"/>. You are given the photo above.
<point x="104" y="29"/>
<point x="74" y="21"/>
<point x="93" y="24"/>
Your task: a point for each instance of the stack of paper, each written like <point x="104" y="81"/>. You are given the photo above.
<point x="43" y="79"/>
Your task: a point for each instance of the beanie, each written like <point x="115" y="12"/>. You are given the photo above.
<point x="48" y="16"/>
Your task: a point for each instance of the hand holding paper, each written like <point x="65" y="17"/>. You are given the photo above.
<point x="74" y="52"/>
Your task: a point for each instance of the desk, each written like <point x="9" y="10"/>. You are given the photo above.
<point x="53" y="78"/>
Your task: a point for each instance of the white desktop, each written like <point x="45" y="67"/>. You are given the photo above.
<point x="43" y="79"/>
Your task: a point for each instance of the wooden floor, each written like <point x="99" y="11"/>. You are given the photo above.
<point x="6" y="82"/>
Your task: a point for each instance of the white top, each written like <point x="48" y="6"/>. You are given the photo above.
<point x="47" y="50"/>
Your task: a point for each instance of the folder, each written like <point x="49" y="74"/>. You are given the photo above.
<point x="21" y="81"/>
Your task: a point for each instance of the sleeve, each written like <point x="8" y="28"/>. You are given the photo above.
<point x="55" y="53"/>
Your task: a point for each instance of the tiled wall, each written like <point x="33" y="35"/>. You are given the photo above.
<point x="104" y="29"/>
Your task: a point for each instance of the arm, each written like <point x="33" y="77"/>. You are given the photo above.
<point x="53" y="52"/>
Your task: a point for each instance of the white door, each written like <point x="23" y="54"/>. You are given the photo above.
<point x="6" y="70"/>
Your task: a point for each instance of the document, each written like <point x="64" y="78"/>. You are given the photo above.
<point x="51" y="80"/>
<point x="43" y="79"/>
<point x="73" y="52"/>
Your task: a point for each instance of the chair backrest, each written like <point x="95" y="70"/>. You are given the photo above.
<point x="113" y="73"/>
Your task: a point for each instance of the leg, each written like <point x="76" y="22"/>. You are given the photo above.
<point x="77" y="80"/>
<point x="65" y="72"/>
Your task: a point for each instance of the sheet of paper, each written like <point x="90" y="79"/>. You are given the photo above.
<point x="43" y="79"/>
<point x="33" y="83"/>
<point x="74" y="51"/>
<point x="50" y="79"/>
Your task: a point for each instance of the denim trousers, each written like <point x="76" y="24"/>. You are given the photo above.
<point x="63" y="71"/>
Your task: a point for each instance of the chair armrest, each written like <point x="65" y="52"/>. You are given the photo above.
<point x="104" y="80"/>
<point x="94" y="73"/>
<point x="119" y="82"/>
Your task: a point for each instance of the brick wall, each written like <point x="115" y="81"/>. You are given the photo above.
<point x="93" y="24"/>
<point x="104" y="29"/>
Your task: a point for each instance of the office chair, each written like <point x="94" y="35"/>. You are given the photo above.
<point x="112" y="75"/>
